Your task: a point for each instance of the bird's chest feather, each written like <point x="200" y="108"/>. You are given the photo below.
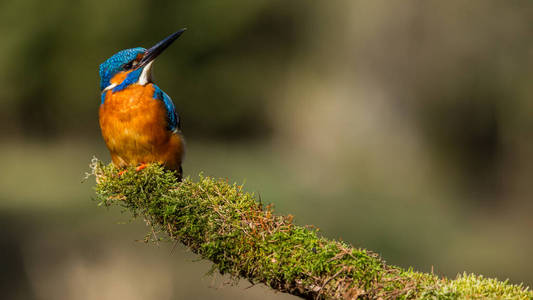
<point x="132" y="118"/>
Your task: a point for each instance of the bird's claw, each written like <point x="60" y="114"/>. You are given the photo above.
<point x="140" y="167"/>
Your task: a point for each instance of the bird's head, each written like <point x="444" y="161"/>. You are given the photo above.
<point x="132" y="66"/>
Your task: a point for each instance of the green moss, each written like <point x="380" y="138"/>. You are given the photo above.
<point x="470" y="286"/>
<point x="228" y="226"/>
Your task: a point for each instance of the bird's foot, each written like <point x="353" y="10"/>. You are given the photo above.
<point x="140" y="167"/>
<point x="121" y="172"/>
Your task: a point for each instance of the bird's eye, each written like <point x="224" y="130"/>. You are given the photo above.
<point x="128" y="66"/>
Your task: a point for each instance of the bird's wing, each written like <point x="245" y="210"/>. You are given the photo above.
<point x="172" y="116"/>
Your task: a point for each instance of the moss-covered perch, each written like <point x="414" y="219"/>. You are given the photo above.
<point x="228" y="226"/>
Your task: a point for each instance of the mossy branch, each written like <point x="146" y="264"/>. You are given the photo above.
<point x="228" y="226"/>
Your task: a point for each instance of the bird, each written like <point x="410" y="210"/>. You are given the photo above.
<point x="138" y="121"/>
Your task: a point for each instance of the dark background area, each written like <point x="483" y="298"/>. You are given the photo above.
<point x="405" y="128"/>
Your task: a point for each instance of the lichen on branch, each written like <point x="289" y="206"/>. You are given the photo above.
<point x="244" y="238"/>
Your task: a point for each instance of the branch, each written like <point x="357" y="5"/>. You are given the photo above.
<point x="228" y="226"/>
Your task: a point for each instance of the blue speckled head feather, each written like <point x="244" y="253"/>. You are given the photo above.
<point x="114" y="64"/>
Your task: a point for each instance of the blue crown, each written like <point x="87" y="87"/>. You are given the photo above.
<point x="114" y="64"/>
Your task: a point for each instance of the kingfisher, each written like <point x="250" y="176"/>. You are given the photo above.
<point x="139" y="122"/>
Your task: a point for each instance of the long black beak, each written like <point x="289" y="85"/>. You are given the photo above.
<point x="158" y="48"/>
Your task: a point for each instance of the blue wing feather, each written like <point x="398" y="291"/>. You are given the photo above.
<point x="172" y="116"/>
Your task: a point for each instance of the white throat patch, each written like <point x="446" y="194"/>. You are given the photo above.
<point x="109" y="87"/>
<point x="146" y="75"/>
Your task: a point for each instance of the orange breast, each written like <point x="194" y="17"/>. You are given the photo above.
<point x="134" y="127"/>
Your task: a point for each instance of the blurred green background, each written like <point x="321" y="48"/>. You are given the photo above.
<point x="402" y="127"/>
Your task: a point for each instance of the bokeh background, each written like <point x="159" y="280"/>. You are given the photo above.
<point x="405" y="127"/>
